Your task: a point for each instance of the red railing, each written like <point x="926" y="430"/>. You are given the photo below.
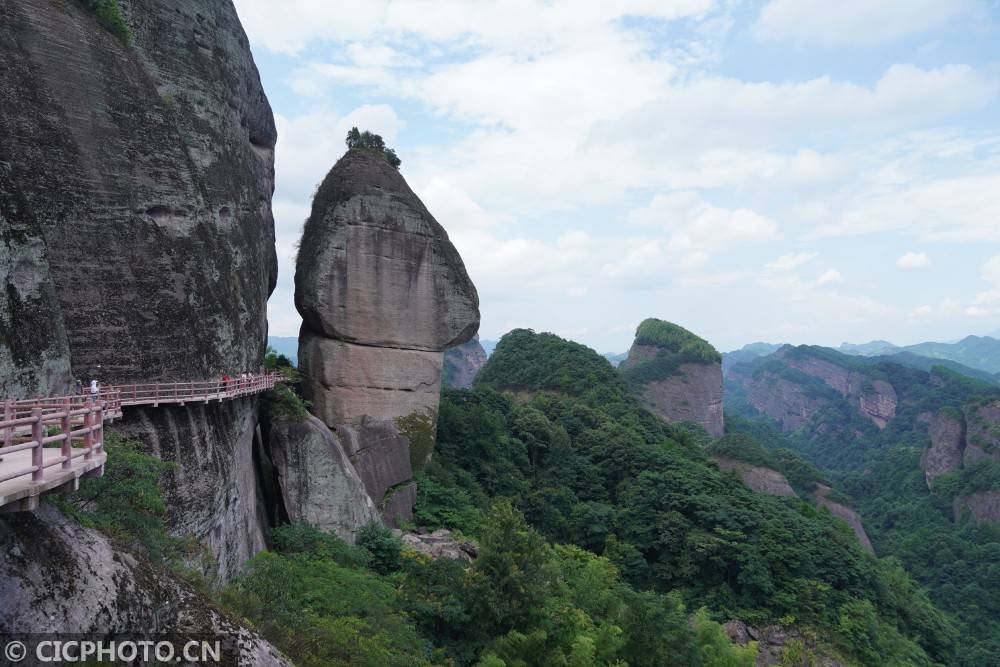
<point x="28" y="428"/>
<point x="31" y="424"/>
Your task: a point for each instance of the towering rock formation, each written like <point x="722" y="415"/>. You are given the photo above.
<point x="135" y="188"/>
<point x="462" y="363"/>
<point x="382" y="293"/>
<point x="678" y="375"/>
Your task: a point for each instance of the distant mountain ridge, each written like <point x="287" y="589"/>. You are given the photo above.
<point x="973" y="356"/>
<point x="979" y="352"/>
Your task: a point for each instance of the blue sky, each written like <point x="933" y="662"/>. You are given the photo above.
<point x="785" y="170"/>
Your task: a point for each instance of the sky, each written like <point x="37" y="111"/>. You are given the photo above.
<point x="798" y="171"/>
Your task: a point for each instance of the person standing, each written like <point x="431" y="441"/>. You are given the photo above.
<point x="95" y="391"/>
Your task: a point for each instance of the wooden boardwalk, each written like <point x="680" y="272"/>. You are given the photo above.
<point x="48" y="444"/>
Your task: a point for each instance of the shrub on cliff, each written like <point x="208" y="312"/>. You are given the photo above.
<point x="109" y="15"/>
<point x="372" y="142"/>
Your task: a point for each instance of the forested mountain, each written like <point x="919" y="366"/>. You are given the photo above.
<point x="550" y="425"/>
<point x="979" y="352"/>
<point x="917" y="452"/>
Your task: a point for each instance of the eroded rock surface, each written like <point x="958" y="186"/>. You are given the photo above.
<point x="211" y="492"/>
<point x="462" y="363"/>
<point x="843" y="512"/>
<point x="61" y="576"/>
<point x="758" y="478"/>
<point x="317" y="481"/>
<point x="947" y="434"/>
<point x="983" y="506"/>
<point x="773" y="642"/>
<point x="982" y="439"/>
<point x="382" y="293"/>
<point x="440" y="544"/>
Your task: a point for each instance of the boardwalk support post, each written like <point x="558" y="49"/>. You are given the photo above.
<point x="37" y="455"/>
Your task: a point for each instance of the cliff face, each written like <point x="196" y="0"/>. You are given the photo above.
<point x="758" y="478"/>
<point x="673" y="382"/>
<point x="462" y="363"/>
<point x="135" y="194"/>
<point x="793" y="384"/>
<point x="947" y="435"/>
<point x="845" y="513"/>
<point x="382" y="293"/>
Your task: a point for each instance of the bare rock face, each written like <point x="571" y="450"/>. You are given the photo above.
<point x="672" y="382"/>
<point x="771" y="643"/>
<point x="758" y="478"/>
<point x="149" y="171"/>
<point x="947" y="433"/>
<point x="439" y="544"/>
<point x="210" y="493"/>
<point x="34" y="352"/>
<point x="983" y="506"/>
<point x="60" y="575"/>
<point x="317" y="481"/>
<point x="843" y="512"/>
<point x="382" y="292"/>
<point x="135" y="192"/>
<point x="879" y="403"/>
<point x="462" y="363"/>
<point x="350" y="382"/>
<point x="982" y="440"/>
<point x="376" y="268"/>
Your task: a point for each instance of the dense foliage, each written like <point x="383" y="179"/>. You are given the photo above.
<point x="588" y="466"/>
<point x="109" y="15"/>
<point x="956" y="560"/>
<point x="676" y="339"/>
<point x="369" y="141"/>
<point x="284" y="402"/>
<point x="522" y="602"/>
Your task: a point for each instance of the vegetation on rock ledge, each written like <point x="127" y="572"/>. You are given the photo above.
<point x="370" y="141"/>
<point x="109" y="14"/>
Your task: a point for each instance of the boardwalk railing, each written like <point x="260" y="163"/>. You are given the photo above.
<point x="39" y="434"/>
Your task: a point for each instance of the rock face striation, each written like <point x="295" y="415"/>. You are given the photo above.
<point x="462" y="363"/>
<point x="677" y="375"/>
<point x="382" y="293"/>
<point x="135" y="190"/>
<point x="61" y="576"/>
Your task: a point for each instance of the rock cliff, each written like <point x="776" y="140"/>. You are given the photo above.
<point x="135" y="193"/>
<point x="677" y="375"/>
<point x="845" y="513"/>
<point x="382" y="293"/>
<point x="59" y="575"/>
<point x="794" y="383"/>
<point x="462" y="363"/>
<point x="316" y="481"/>
<point x="758" y="478"/>
<point x="947" y="435"/>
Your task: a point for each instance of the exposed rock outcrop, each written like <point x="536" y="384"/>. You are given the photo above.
<point x="440" y="544"/>
<point x="317" y="481"/>
<point x="982" y="438"/>
<point x="758" y="478"/>
<point x="382" y="293"/>
<point x="983" y="506"/>
<point x="677" y="375"/>
<point x="947" y="434"/>
<point x="61" y="576"/>
<point x="845" y="513"/>
<point x="462" y="363"/>
<point x="136" y="186"/>
<point x="775" y="645"/>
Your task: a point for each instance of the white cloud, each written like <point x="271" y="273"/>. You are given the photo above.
<point x="921" y="311"/>
<point x="810" y="22"/>
<point x="912" y="261"/>
<point x="830" y="277"/>
<point x="695" y="224"/>
<point x="791" y="261"/>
